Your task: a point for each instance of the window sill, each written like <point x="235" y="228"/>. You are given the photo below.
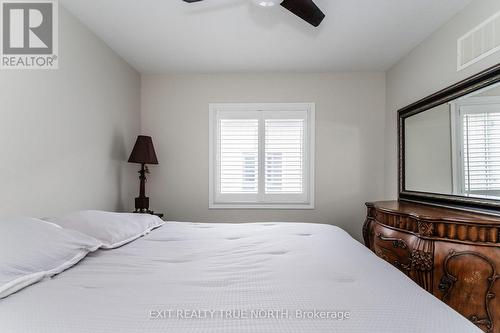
<point x="261" y="206"/>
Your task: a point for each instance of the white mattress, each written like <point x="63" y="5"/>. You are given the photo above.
<point x="278" y="267"/>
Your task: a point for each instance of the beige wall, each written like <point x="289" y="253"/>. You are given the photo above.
<point x="428" y="68"/>
<point x="349" y="141"/>
<point x="66" y="133"/>
<point x="428" y="151"/>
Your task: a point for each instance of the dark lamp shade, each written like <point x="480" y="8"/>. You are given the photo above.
<point x="144" y="151"/>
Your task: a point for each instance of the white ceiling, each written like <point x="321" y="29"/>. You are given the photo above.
<point x="157" y="36"/>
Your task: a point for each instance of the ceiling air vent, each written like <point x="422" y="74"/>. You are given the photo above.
<point x="479" y="43"/>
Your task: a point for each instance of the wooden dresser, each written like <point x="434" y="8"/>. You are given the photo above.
<point x="452" y="254"/>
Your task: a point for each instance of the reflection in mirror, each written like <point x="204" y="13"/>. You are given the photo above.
<point x="454" y="148"/>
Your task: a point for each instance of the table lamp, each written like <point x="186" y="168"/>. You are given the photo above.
<point x="143" y="153"/>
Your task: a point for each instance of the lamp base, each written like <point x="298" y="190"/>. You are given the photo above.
<point x="142" y="204"/>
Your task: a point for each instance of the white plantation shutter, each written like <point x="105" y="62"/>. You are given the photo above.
<point x="261" y="155"/>
<point x="481" y="149"/>
<point x="239" y="150"/>
<point x="284" y="154"/>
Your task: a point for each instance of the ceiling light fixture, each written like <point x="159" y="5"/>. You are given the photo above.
<point x="267" y="3"/>
<point x="305" y="9"/>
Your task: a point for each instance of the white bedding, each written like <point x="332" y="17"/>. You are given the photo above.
<point x="184" y="267"/>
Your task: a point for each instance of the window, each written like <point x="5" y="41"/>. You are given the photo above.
<point x="262" y="156"/>
<point x="478" y="138"/>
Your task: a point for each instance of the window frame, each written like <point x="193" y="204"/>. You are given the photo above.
<point x="260" y="201"/>
<point x="457" y="143"/>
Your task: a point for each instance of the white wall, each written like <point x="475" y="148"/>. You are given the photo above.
<point x="350" y="110"/>
<point x="428" y="68"/>
<point x="66" y="133"/>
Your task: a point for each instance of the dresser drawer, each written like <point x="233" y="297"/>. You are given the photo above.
<point x="393" y="246"/>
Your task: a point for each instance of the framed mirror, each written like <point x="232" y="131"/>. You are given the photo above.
<point x="449" y="146"/>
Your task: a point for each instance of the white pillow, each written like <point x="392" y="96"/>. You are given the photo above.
<point x="32" y="249"/>
<point x="112" y="229"/>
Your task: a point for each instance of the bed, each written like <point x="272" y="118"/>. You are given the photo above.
<point x="259" y="277"/>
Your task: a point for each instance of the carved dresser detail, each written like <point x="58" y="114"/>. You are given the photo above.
<point x="452" y="254"/>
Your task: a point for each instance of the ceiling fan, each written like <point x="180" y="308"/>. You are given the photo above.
<point x="305" y="9"/>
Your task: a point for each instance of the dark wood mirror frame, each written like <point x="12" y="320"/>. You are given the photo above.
<point x="462" y="88"/>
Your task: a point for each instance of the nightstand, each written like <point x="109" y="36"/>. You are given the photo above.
<point x="160" y="215"/>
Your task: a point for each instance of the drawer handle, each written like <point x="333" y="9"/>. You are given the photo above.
<point x="396" y="242"/>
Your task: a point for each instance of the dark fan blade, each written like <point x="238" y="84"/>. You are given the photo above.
<point x="190" y="1"/>
<point x="306" y="10"/>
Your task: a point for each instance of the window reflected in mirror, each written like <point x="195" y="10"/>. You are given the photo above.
<point x="454" y="148"/>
